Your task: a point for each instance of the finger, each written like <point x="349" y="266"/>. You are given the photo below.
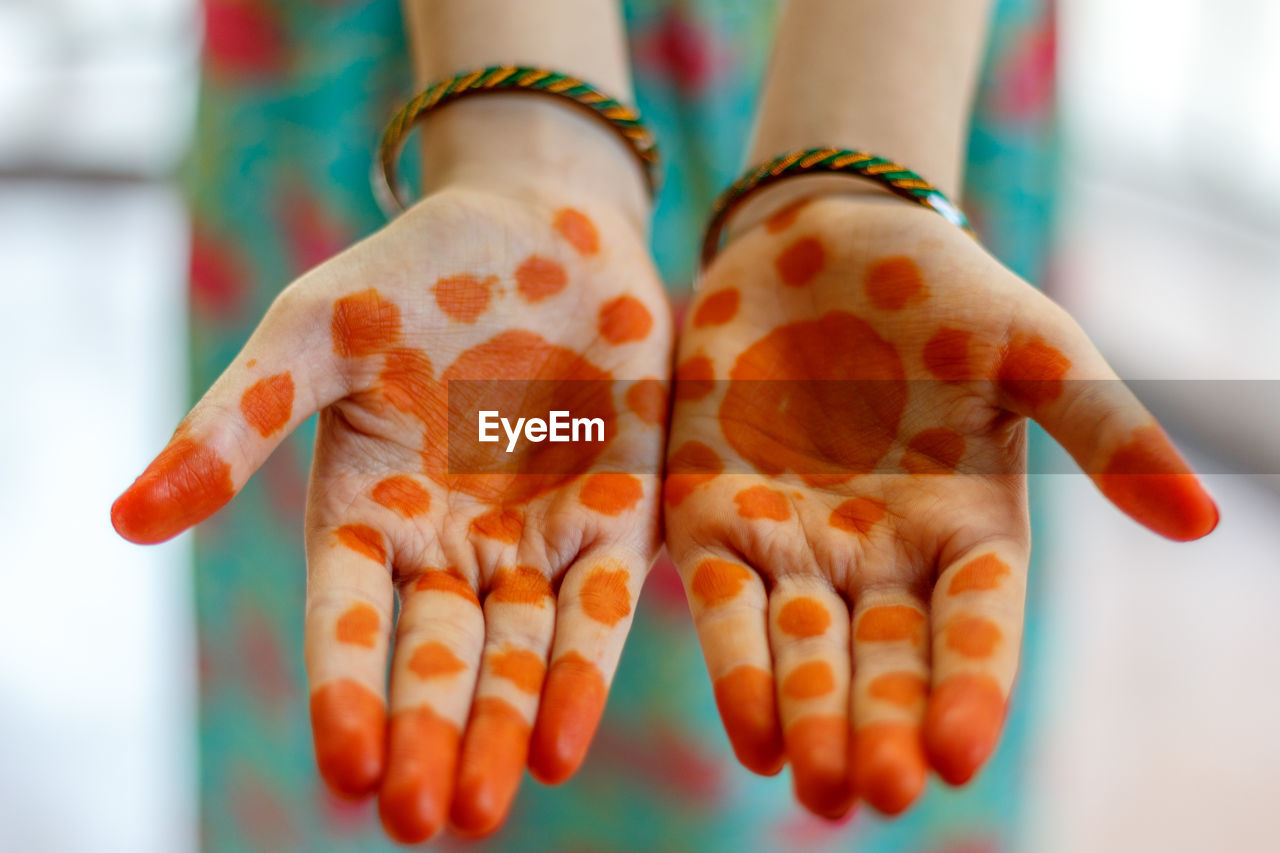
<point x="348" y="623"/>
<point x="729" y="607"/>
<point x="890" y="683"/>
<point x="809" y="631"/>
<point x="438" y="642"/>
<point x="286" y="372"/>
<point x="977" y="629"/>
<point x="596" y="607"/>
<point x="1050" y="371"/>
<point x="519" y="613"/>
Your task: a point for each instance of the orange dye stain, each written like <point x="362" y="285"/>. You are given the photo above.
<point x="933" y="451"/>
<point x="348" y="721"/>
<point x="572" y="703"/>
<point x="894" y="283"/>
<point x="785" y="217"/>
<point x="717" y="309"/>
<point x="1031" y="372"/>
<point x="889" y="769"/>
<point x="604" y="595"/>
<point x="904" y="689"/>
<point x="762" y="502"/>
<point x="946" y="355"/>
<point x="796" y="403"/>
<point x="414" y="797"/>
<point x="717" y="581"/>
<point x="804" y="617"/>
<point x="251" y="363"/>
<point x="521" y="585"/>
<point x="647" y="399"/>
<point x="973" y="636"/>
<point x="624" y="319"/>
<point x="502" y="524"/>
<point x="358" y="625"/>
<point x="610" y="493"/>
<point x="363" y="539"/>
<point x="809" y="680"/>
<point x="364" y="324"/>
<point x="445" y="580"/>
<point x="980" y="574"/>
<point x="857" y="515"/>
<point x="464" y="297"/>
<point x="493" y="760"/>
<point x="890" y="624"/>
<point x="692" y="465"/>
<point x="268" y="403"/>
<point x="435" y="660"/>
<point x="747" y="704"/>
<point x="538" y="277"/>
<point x="801" y="261"/>
<point x="1147" y="478"/>
<point x="407" y="384"/>
<point x="578" y="230"/>
<point x="187" y="483"/>
<point x="402" y="495"/>
<point x="962" y="725"/>
<point x="695" y="378"/>
<point x="818" y="748"/>
<point x="521" y="667"/>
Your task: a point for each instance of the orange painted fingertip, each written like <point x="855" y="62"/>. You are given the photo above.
<point x="962" y="725"/>
<point x="493" y="759"/>
<point x="413" y="801"/>
<point x="748" y="708"/>
<point x="348" y="723"/>
<point x="889" y="769"/>
<point x="818" y="751"/>
<point x="187" y="483"/>
<point x="572" y="705"/>
<point x="1150" y="481"/>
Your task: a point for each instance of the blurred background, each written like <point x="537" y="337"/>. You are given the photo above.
<point x="1160" y="689"/>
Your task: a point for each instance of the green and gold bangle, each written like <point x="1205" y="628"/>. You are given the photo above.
<point x="894" y="177"/>
<point x="624" y="120"/>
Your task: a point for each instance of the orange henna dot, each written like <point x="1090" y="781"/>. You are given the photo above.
<point x="358" y="625"/>
<point x="904" y="689"/>
<point x="251" y="363"/>
<point x="538" y="277"/>
<point x="801" y="261"/>
<point x="503" y="524"/>
<point x="521" y="585"/>
<point x="624" y="319"/>
<point x="363" y="539"/>
<point x="785" y="217"/>
<point x="464" y="297"/>
<point x="580" y="231"/>
<point x="572" y="704"/>
<point x="610" y="493"/>
<point x="403" y="495"/>
<point x="521" y="667"/>
<point x="414" y="797"/>
<point x="891" y="624"/>
<point x="268" y="403"/>
<point x="695" y="378"/>
<point x="1149" y="480"/>
<point x="647" y="399"/>
<point x="435" y="660"/>
<point x="717" y="581"/>
<point x="493" y="760"/>
<point x="983" y="573"/>
<point x="808" y="680"/>
<point x="187" y="483"/>
<point x="894" y="283"/>
<point x="962" y="725"/>
<point x="747" y="704"/>
<point x="946" y="355"/>
<point x="692" y="465"/>
<point x="973" y="636"/>
<point x="933" y="451"/>
<point x="857" y="515"/>
<point x="803" y="617"/>
<point x="762" y="502"/>
<point x="363" y="324"/>
<point x="408" y="384"/>
<point x="347" y="721"/>
<point x="889" y="768"/>
<point x="446" y="580"/>
<point x="604" y="595"/>
<point x="717" y="309"/>
<point x="1031" y="372"/>
<point x="818" y="748"/>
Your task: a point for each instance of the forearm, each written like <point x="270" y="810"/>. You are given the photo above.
<point x="516" y="139"/>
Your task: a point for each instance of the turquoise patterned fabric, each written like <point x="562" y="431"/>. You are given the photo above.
<point x="294" y="95"/>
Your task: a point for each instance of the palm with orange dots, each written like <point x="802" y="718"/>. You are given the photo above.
<point x="516" y="590"/>
<point x="845" y="494"/>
